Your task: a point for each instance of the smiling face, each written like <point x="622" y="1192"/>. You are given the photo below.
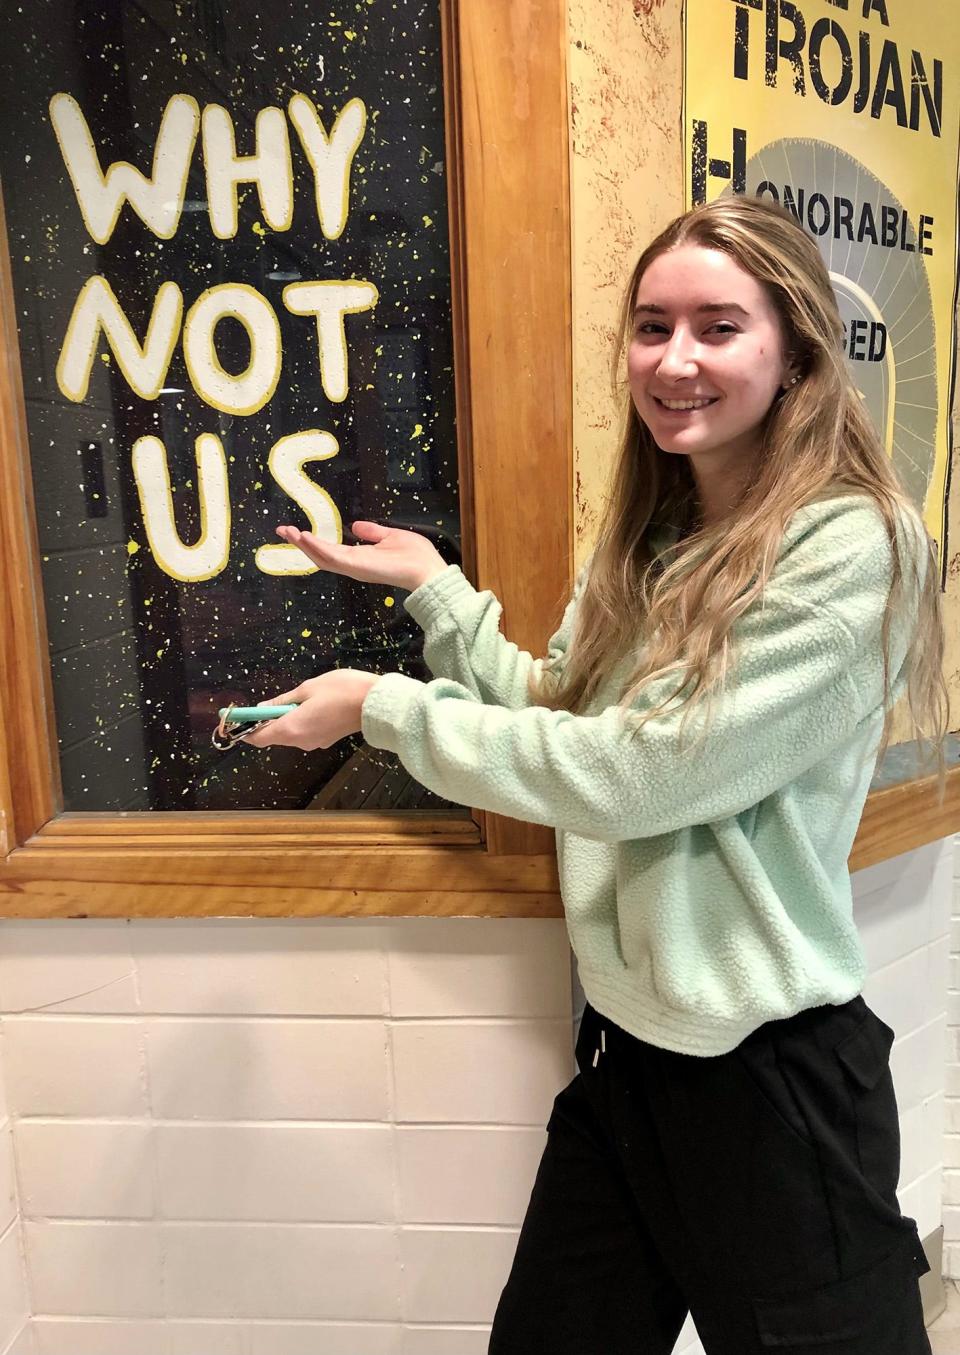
<point x="706" y="357"/>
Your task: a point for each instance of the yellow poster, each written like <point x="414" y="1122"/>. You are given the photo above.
<point x="847" y="113"/>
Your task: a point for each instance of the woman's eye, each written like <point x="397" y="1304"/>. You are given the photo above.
<point x="722" y="327"/>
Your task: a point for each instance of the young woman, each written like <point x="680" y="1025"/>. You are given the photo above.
<point x="702" y="735"/>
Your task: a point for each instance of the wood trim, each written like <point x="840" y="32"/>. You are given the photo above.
<point x="253" y="831"/>
<point x="70" y="899"/>
<point x="450" y="38"/>
<point x="68" y="870"/>
<point x="56" y="876"/>
<point x="459" y="300"/>
<point x="516" y="185"/>
<point x="29" y="767"/>
<point x="901" y="818"/>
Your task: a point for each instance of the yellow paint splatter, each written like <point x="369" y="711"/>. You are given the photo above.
<point x="160" y="653"/>
<point x="183" y="58"/>
<point x="258" y="229"/>
<point x="388" y="602"/>
<point x="148" y="602"/>
<point x="258" y="485"/>
<point x="132" y="547"/>
<point x="305" y="634"/>
<point x="349" y="34"/>
<point x="417" y="430"/>
<point x="105" y="357"/>
<point x="428" y="220"/>
<point x="411" y="470"/>
<point x="26" y="258"/>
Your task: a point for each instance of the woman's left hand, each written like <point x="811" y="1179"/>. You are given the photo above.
<point x="328" y="710"/>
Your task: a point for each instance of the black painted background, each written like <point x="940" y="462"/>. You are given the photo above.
<point x="140" y="661"/>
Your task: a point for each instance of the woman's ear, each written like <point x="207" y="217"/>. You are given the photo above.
<point x="792" y="373"/>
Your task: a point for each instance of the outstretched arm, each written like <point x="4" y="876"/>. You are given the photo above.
<point x="808" y="679"/>
<point x="462" y="639"/>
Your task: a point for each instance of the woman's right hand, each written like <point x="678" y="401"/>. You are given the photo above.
<point x="394" y="556"/>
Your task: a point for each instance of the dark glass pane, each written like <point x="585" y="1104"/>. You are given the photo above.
<point x="159" y="608"/>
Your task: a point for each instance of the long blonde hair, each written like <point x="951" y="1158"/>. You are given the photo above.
<point x="816" y="442"/>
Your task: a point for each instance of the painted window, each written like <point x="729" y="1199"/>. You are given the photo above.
<point x="228" y="232"/>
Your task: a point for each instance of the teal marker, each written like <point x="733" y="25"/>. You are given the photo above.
<point x="243" y="714"/>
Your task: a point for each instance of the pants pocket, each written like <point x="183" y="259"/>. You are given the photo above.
<point x="864" y="1057"/>
<point x="884" y="1298"/>
<point x="759" y="1063"/>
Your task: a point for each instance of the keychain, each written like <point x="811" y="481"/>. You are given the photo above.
<point x="247" y="719"/>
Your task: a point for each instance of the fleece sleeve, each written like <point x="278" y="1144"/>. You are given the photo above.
<point x="462" y="638"/>
<point x="808" y="673"/>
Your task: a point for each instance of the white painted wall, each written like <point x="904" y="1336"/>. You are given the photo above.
<point x="317" y="1137"/>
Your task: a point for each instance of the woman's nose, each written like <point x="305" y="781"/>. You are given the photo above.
<point x="678" y="358"/>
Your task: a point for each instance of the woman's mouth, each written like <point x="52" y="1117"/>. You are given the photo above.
<point x="685" y="406"/>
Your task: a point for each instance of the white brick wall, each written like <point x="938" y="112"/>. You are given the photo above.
<point x="951" y="1110"/>
<point x="16" y="1337"/>
<point x="308" y="1137"/>
<point x="902" y="909"/>
<point x="317" y="1137"/>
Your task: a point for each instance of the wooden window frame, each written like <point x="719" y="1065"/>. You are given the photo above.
<point x="506" y="103"/>
<point x="505" y="90"/>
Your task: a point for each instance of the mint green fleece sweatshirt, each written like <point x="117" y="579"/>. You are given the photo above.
<point x="707" y="892"/>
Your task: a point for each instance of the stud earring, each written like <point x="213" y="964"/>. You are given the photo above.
<point x="792" y="382"/>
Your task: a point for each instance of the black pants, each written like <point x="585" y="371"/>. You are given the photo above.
<point x="755" y="1189"/>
